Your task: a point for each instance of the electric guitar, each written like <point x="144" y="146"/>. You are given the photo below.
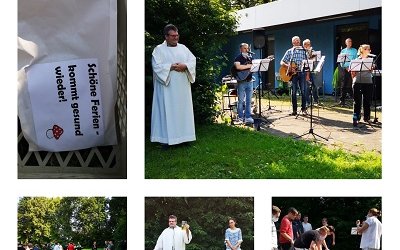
<point x="286" y="73"/>
<point x="242" y="75"/>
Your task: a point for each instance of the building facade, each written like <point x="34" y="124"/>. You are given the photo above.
<point x="269" y="28"/>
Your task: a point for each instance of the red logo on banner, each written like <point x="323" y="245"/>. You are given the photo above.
<point x="57" y="131"/>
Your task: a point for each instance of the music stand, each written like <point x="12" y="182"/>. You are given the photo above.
<point x="375" y="73"/>
<point x="307" y="65"/>
<point x="269" y="92"/>
<point x="360" y="65"/>
<point x="259" y="65"/>
<point x="341" y="58"/>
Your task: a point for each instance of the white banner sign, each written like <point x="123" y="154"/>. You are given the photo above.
<point x="66" y="104"/>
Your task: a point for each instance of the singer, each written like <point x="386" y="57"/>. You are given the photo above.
<point x="362" y="89"/>
<point x="245" y="86"/>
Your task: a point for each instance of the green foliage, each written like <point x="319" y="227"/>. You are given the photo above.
<point x="342" y="213"/>
<point x="78" y="219"/>
<point x="34" y="218"/>
<point x="242" y="4"/>
<point x="207" y="217"/>
<point x="219" y="150"/>
<point x="204" y="27"/>
<point x="118" y="219"/>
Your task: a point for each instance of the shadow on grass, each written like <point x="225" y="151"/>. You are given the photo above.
<point x="225" y="152"/>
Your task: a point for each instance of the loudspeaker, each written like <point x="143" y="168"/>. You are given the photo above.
<point x="259" y="39"/>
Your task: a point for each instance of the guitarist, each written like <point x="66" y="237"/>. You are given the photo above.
<point x="242" y="64"/>
<point x="292" y="60"/>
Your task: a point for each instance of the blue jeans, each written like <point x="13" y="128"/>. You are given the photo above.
<point x="299" y="81"/>
<point x="245" y="90"/>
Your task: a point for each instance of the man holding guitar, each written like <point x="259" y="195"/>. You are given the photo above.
<point x="291" y="64"/>
<point x="242" y="64"/>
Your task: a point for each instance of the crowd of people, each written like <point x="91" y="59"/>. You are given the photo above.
<point x="50" y="246"/>
<point x="108" y="245"/>
<point x="294" y="234"/>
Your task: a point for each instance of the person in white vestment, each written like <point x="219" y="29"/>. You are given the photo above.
<point x="174" y="69"/>
<point x="174" y="237"/>
<point x="370" y="230"/>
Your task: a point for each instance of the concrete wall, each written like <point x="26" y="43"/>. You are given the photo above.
<point x="289" y="11"/>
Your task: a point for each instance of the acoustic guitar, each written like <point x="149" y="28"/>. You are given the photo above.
<point x="286" y="73"/>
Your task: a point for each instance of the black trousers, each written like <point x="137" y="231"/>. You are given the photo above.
<point x="362" y="94"/>
<point x="285" y="246"/>
<point x="345" y="83"/>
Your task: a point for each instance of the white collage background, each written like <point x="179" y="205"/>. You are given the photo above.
<point x="136" y="188"/>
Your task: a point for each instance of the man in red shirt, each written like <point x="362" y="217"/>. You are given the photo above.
<point x="286" y="230"/>
<point x="71" y="246"/>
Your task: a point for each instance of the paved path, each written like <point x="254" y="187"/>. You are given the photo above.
<point x="333" y="123"/>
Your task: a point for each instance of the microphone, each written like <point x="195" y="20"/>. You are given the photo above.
<point x="251" y="52"/>
<point x="371" y="55"/>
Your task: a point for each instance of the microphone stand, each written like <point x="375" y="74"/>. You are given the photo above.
<point x="260" y="119"/>
<point x="311" y="130"/>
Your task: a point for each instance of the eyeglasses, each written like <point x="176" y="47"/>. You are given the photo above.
<point x="174" y="35"/>
<point x="171" y="221"/>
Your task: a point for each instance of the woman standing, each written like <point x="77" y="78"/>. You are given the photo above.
<point x="233" y="236"/>
<point x="370" y="230"/>
<point x="362" y="88"/>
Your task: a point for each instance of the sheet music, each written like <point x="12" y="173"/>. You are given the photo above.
<point x="341" y="58"/>
<point x="364" y="64"/>
<point x="354" y="231"/>
<point x="256" y="64"/>
<point x="317" y="55"/>
<point x="320" y="64"/>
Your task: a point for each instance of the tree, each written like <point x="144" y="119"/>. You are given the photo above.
<point x="204" y="27"/>
<point x="84" y="219"/>
<point x="207" y="217"/>
<point x="35" y="216"/>
<point x="118" y="219"/>
<point x="243" y="4"/>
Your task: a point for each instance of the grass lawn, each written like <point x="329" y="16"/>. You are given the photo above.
<point x="227" y="152"/>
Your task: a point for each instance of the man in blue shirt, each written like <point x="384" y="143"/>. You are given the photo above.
<point x="293" y="59"/>
<point x="345" y="77"/>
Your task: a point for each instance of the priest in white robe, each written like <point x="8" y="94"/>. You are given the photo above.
<point x="174" y="237"/>
<point x="174" y="69"/>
